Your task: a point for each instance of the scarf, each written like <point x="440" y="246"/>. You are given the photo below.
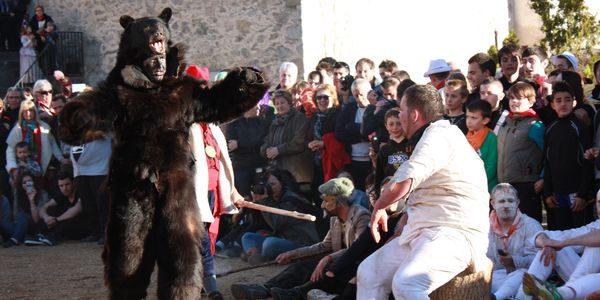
<point x="495" y="226"/>
<point x="476" y="138"/>
<point x="30" y="131"/>
<point x="529" y="113"/>
<point x="320" y="118"/>
<point x="40" y="18"/>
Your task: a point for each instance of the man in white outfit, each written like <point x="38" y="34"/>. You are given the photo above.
<point x="445" y="228"/>
<point x="511" y="246"/>
<point x="559" y="251"/>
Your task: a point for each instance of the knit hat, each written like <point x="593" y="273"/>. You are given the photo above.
<point x="337" y="187"/>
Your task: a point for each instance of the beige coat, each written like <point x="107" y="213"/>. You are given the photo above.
<point x="226" y="181"/>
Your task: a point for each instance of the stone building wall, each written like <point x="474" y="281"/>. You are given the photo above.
<point x="218" y="33"/>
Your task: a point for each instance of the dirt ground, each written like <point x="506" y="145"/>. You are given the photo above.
<point x="74" y="271"/>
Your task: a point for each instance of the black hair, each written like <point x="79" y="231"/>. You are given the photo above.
<point x="562" y="86"/>
<point x="535" y="50"/>
<point x="403" y="86"/>
<point x="485" y="62"/>
<point x="484" y="107"/>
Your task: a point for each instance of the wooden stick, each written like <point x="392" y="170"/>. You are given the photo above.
<point x="277" y="211"/>
<point x="266" y="264"/>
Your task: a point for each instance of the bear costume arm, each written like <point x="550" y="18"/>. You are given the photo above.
<point x="87" y="117"/>
<point x="237" y="93"/>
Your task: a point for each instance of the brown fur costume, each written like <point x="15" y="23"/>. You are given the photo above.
<point x="154" y="215"/>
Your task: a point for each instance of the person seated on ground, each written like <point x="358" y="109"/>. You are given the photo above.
<point x="445" y="227"/>
<point x="511" y="247"/>
<point x="558" y="250"/>
<point x="29" y="200"/>
<point x="348" y="221"/>
<point x="61" y="216"/>
<point x="340" y="278"/>
<point x="287" y="233"/>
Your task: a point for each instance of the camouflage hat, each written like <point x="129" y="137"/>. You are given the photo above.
<point x="337" y="187"/>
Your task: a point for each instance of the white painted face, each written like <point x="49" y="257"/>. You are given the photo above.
<point x="505" y="205"/>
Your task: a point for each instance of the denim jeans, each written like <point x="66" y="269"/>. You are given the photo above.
<point x="18" y="228"/>
<point x="269" y="246"/>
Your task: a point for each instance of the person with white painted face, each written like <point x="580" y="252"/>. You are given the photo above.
<point x="510" y="245"/>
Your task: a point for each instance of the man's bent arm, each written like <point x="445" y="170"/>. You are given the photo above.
<point x="395" y="192"/>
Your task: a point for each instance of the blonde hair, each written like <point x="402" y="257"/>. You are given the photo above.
<point x="331" y="89"/>
<point x="25" y="106"/>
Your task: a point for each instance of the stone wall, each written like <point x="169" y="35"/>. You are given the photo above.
<point x="219" y="33"/>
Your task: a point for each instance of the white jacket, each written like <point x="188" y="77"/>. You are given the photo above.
<point x="49" y="146"/>
<point x="520" y="245"/>
<point x="226" y="180"/>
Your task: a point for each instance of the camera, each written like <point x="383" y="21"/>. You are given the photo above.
<point x="375" y="144"/>
<point x="29" y="187"/>
<point x="260" y="186"/>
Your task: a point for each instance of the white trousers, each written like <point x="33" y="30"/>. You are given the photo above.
<point x="583" y="286"/>
<point x="413" y="270"/>
<point x="568" y="265"/>
<point x="506" y="285"/>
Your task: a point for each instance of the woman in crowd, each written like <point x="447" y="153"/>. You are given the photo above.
<point x="329" y="155"/>
<point x="285" y="144"/>
<point x="34" y="132"/>
<point x="29" y="200"/>
<point x="286" y="233"/>
<point x="288" y="74"/>
<point x="12" y="104"/>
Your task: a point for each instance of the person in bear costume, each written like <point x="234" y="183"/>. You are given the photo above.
<point x="149" y="106"/>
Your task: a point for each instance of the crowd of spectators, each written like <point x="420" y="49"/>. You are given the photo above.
<point x="533" y="125"/>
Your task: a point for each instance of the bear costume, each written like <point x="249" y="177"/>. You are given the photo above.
<point x="149" y="106"/>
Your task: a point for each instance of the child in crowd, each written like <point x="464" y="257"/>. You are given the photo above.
<point x="314" y="79"/>
<point x="483" y="139"/>
<point x="491" y="90"/>
<point x="456" y="94"/>
<point x="520" y="149"/>
<point x="25" y="162"/>
<point x="394" y="152"/>
<point x="510" y="65"/>
<point x="568" y="176"/>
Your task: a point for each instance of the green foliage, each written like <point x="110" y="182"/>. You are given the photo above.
<point x="568" y="26"/>
<point x="493" y="52"/>
<point x="511" y="39"/>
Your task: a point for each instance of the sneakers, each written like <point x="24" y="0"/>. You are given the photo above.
<point x="540" y="289"/>
<point x="249" y="291"/>
<point x="283" y="294"/>
<point x="320" y="295"/>
<point x="215" y="295"/>
<point x="40" y="239"/>
<point x="10" y="242"/>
